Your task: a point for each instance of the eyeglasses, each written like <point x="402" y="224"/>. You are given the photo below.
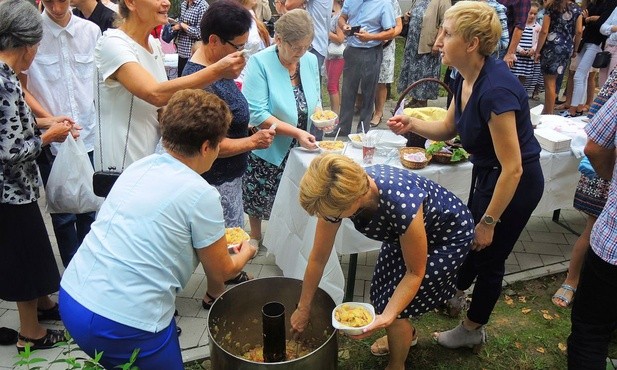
<point x="237" y="47"/>
<point x="332" y="220"/>
<point x="298" y="49"/>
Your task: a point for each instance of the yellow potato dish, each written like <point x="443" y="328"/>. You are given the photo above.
<point x="353" y="316"/>
<point x="331" y="145"/>
<point x="323" y="115"/>
<point x="235" y="235"/>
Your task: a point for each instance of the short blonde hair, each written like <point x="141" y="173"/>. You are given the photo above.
<point x="295" y="25"/>
<point x="476" y="19"/>
<point x="331" y="185"/>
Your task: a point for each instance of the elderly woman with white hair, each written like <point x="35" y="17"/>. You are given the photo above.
<point x="282" y="88"/>
<point x="28" y="270"/>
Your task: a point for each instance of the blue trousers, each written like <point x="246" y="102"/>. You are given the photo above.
<point x="594" y="316"/>
<point x="70" y="229"/>
<point x="487" y="266"/>
<point x="95" y="333"/>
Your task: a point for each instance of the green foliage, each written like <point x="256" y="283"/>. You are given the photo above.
<point x="458" y="154"/>
<point x="28" y="361"/>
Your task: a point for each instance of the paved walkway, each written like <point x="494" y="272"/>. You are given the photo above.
<point x="544" y="248"/>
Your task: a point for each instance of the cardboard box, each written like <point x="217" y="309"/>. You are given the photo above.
<point x="552" y="141"/>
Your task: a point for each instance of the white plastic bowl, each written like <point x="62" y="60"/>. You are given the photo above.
<point x="325" y="122"/>
<point x="356" y="140"/>
<point x="350" y="330"/>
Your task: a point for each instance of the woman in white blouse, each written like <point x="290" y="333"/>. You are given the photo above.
<point x="134" y="83"/>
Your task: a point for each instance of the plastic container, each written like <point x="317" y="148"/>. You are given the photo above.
<point x="350" y="330"/>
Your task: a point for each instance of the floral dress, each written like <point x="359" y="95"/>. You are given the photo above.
<point x="449" y="231"/>
<point x="261" y="179"/>
<point x="417" y="66"/>
<point x="559" y="43"/>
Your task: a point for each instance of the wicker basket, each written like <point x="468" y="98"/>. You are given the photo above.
<point x="443" y="158"/>
<point x="413" y="165"/>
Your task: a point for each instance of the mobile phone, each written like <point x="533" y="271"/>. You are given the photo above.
<point x="172" y="21"/>
<point x="354" y="29"/>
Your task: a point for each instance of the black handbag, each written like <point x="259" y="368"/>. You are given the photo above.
<point x="602" y="59"/>
<point x="104" y="180"/>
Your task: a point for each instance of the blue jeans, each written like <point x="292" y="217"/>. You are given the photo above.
<point x="95" y="333"/>
<point x="70" y="229"/>
<point x="594" y="317"/>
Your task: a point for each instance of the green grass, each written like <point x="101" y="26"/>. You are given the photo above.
<point x="516" y="340"/>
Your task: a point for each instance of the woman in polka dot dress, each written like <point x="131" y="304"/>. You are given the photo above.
<point x="426" y="232"/>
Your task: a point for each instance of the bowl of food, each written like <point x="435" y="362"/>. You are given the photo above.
<point x="356" y="140"/>
<point x="414" y="158"/>
<point x="331" y="146"/>
<point x="235" y="236"/>
<point x="324" y="119"/>
<point x="352" y="317"/>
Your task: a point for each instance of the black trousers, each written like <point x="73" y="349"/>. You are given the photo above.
<point x="361" y="70"/>
<point x="594" y="315"/>
<point x="487" y="266"/>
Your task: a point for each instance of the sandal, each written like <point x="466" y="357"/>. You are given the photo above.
<point x="567" y="114"/>
<point x="241" y="278"/>
<point x="49" y="340"/>
<point x="208" y="305"/>
<point x="461" y="337"/>
<point x="565" y="293"/>
<point x="380" y="346"/>
<point x="50" y="314"/>
<point x="375" y="124"/>
<point x="8" y="336"/>
<point x="457" y="304"/>
<point x="562" y="107"/>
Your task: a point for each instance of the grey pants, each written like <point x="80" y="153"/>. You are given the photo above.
<point x="361" y="70"/>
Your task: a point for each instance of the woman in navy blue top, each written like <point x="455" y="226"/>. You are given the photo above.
<point x="490" y="112"/>
<point x="224" y="26"/>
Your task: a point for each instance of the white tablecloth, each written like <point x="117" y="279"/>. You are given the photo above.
<point x="290" y="231"/>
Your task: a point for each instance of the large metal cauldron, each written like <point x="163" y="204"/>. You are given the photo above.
<point x="235" y="322"/>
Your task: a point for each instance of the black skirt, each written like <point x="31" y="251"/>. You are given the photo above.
<point x="28" y="269"/>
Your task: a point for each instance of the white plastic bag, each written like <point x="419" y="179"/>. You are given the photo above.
<point x="69" y="187"/>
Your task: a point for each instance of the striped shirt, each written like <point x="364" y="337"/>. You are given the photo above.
<point x="601" y="130"/>
<point x="191" y="16"/>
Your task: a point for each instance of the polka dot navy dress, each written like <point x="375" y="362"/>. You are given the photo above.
<point x="449" y="229"/>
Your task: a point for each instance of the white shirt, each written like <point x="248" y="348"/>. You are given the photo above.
<point x="61" y="77"/>
<point x="113" y="50"/>
<point x="140" y="251"/>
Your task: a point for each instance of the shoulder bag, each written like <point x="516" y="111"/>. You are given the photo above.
<point x="104" y="180"/>
<point x="602" y="59"/>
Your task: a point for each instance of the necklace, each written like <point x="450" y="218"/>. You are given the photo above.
<point x="295" y="74"/>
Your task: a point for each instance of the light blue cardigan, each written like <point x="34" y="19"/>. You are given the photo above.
<point x="268" y="90"/>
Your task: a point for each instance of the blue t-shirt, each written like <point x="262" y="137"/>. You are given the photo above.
<point x="140" y="251"/>
<point x="497" y="91"/>
<point x="230" y="168"/>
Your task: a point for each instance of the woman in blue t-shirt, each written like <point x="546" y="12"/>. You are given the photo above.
<point x="491" y="115"/>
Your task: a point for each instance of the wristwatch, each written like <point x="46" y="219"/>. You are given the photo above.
<point x="489" y="220"/>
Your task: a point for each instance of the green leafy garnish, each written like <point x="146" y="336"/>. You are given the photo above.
<point x="435" y="147"/>
<point x="459" y="154"/>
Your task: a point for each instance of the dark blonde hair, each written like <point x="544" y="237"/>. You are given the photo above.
<point x="476" y="19"/>
<point x="295" y="25"/>
<point x="191" y="118"/>
<point x="331" y="185"/>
